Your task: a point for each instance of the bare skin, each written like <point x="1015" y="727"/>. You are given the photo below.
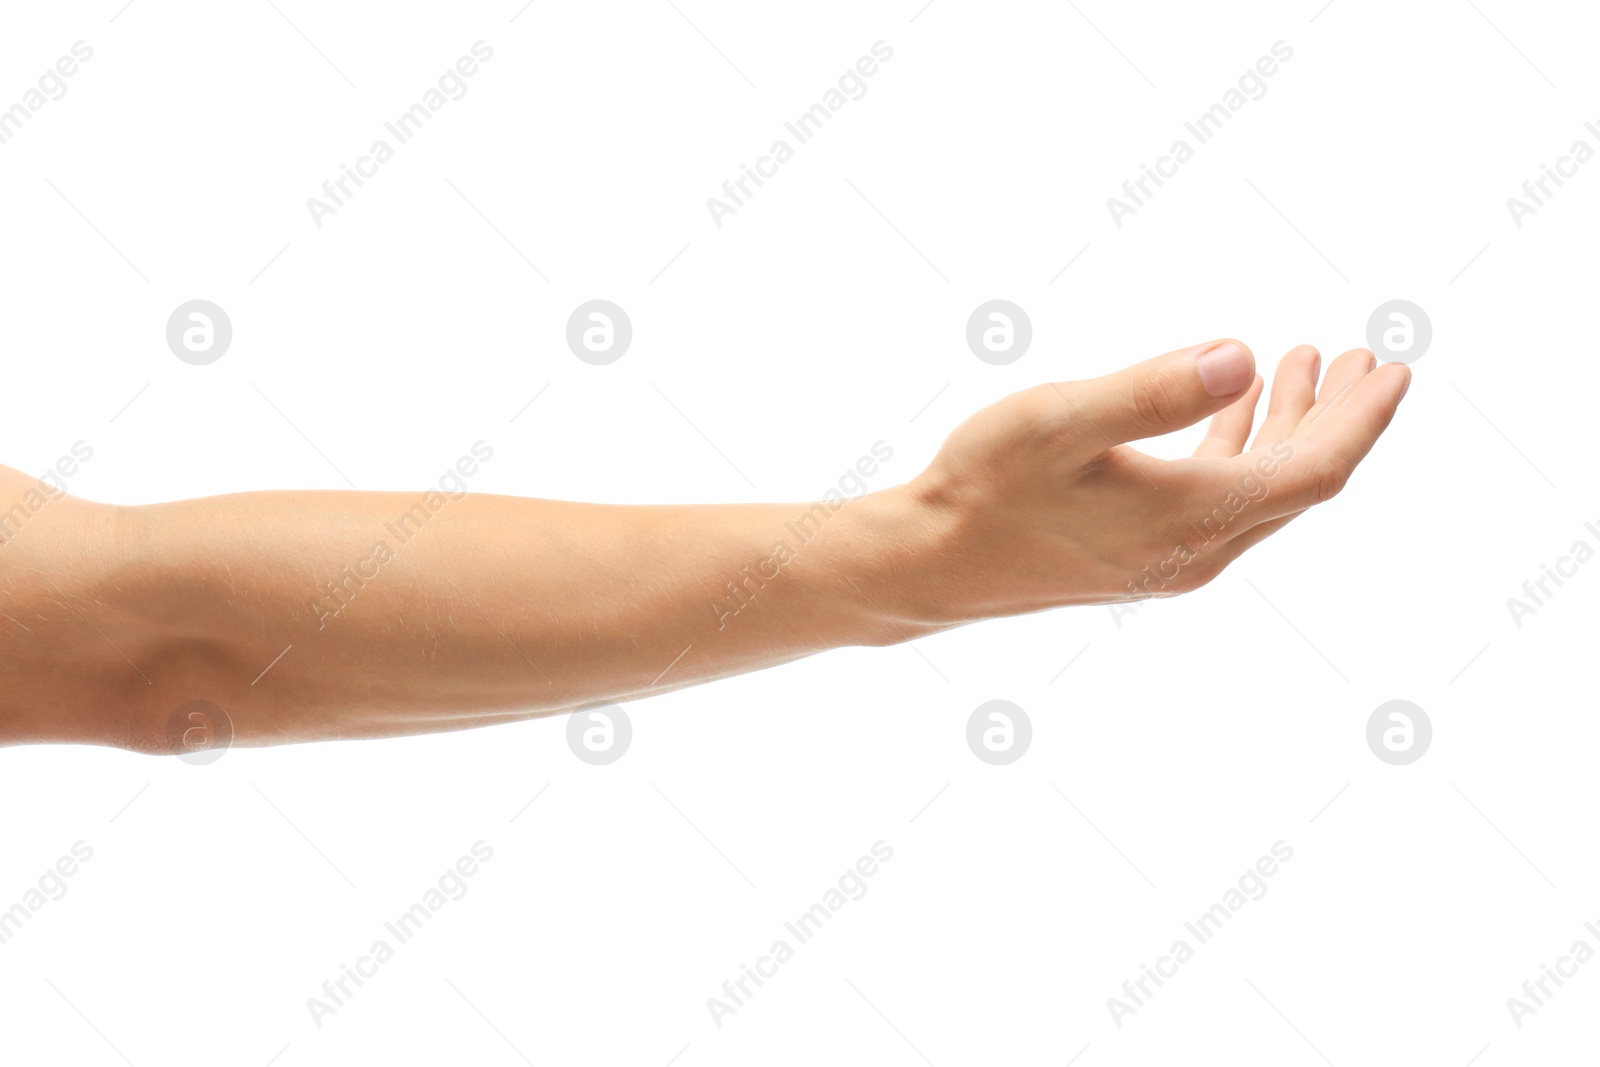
<point x="492" y="609"/>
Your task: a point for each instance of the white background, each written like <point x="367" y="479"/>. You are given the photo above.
<point x="828" y="313"/>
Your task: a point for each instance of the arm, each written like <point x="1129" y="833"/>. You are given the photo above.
<point x="405" y="613"/>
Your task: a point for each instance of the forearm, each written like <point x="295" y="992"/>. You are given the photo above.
<point x="398" y="618"/>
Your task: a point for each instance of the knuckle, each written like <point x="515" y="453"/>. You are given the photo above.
<point x="1046" y="416"/>
<point x="1330" y="475"/>
<point x="1179" y="584"/>
<point x="1153" y="404"/>
<point x="1202" y="572"/>
<point x="1039" y="405"/>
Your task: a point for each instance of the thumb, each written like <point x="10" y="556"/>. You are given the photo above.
<point x="1163" y="394"/>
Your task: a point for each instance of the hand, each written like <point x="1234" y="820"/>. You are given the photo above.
<point x="1037" y="501"/>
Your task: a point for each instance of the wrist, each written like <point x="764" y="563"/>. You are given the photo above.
<point x="893" y="576"/>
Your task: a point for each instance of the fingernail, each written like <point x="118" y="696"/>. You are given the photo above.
<point x="1225" y="369"/>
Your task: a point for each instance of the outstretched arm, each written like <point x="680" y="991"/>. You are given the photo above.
<point x="404" y="613"/>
